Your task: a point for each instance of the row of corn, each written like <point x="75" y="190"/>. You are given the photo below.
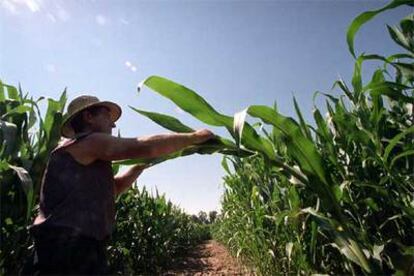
<point x="150" y="231"/>
<point x="335" y="196"/>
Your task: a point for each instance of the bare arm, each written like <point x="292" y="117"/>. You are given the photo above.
<point x="125" y="179"/>
<point x="107" y="147"/>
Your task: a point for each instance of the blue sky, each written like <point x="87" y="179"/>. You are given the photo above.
<point x="233" y="53"/>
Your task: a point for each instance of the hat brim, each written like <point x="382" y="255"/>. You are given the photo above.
<point x="114" y="110"/>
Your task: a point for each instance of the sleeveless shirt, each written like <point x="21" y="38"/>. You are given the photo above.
<point x="77" y="196"/>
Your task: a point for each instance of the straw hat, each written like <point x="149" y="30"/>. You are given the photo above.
<point x="81" y="103"/>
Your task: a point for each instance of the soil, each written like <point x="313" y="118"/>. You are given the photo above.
<point x="208" y="258"/>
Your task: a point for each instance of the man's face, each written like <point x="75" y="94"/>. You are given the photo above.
<point x="101" y="122"/>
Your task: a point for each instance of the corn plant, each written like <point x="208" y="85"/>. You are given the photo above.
<point x="26" y="140"/>
<point x="150" y="233"/>
<point x="332" y="197"/>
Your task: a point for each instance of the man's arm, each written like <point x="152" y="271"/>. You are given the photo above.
<point x="107" y="147"/>
<point x="125" y="179"/>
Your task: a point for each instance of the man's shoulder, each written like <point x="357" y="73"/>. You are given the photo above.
<point x="83" y="148"/>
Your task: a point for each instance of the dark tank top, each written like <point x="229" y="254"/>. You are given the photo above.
<point x="76" y="196"/>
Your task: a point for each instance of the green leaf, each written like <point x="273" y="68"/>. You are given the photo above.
<point x="392" y="90"/>
<point x="194" y="104"/>
<point x="401" y="155"/>
<point x="345" y="244"/>
<point x="323" y="130"/>
<point x="52" y="108"/>
<point x="399" y="56"/>
<point x="4" y="166"/>
<point x="62" y="100"/>
<point x="17" y="110"/>
<point x="365" y="17"/>
<point x="303" y="125"/>
<point x="52" y="123"/>
<point x="2" y="95"/>
<point x="301" y="148"/>
<point x="294" y="198"/>
<point x="187" y="100"/>
<point x="407" y="25"/>
<point x="399" y="38"/>
<point x="345" y="89"/>
<point x="338" y="192"/>
<point x="218" y="145"/>
<point x="12" y="92"/>
<point x="372" y="204"/>
<point x="394" y="141"/>
<point x="9" y="137"/>
<point x="27" y="186"/>
<point x="225" y="165"/>
<point x="406" y="69"/>
<point x="356" y="78"/>
<point x="165" y="121"/>
<point x="8" y="221"/>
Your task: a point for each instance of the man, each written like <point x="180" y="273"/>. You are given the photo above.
<point x="76" y="213"/>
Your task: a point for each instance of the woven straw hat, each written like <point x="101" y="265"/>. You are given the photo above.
<point x="81" y="103"/>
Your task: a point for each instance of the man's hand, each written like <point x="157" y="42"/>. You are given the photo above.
<point x="202" y="135"/>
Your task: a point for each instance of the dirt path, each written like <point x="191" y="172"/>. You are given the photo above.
<point x="208" y="258"/>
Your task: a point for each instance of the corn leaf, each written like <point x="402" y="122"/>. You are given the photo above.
<point x="27" y="186"/>
<point x="12" y="92"/>
<point x="2" y="95"/>
<point x="301" y="148"/>
<point x="8" y="135"/>
<point x="194" y="104"/>
<point x="394" y="141"/>
<point x="356" y="78"/>
<point x="303" y="125"/>
<point x="400" y="38"/>
<point x="165" y="121"/>
<point x="209" y="147"/>
<point x="401" y="155"/>
<point x="365" y="17"/>
<point x="187" y="100"/>
<point x="346" y="245"/>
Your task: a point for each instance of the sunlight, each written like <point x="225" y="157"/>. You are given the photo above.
<point x="54" y="14"/>
<point x="100" y="19"/>
<point x="15" y="6"/>
<point x="33" y="5"/>
<point x="130" y="66"/>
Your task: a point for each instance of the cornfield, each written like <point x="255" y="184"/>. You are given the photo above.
<point x="27" y="138"/>
<point x="150" y="231"/>
<point x="335" y="196"/>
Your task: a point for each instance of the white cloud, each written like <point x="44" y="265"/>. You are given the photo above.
<point x="97" y="42"/>
<point x="9" y="6"/>
<point x="51" y="68"/>
<point x="51" y="17"/>
<point x="100" y="19"/>
<point x="130" y="66"/>
<point x="14" y="6"/>
<point x="62" y="14"/>
<point x="124" y="21"/>
<point x="33" y="5"/>
<point x="53" y="11"/>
